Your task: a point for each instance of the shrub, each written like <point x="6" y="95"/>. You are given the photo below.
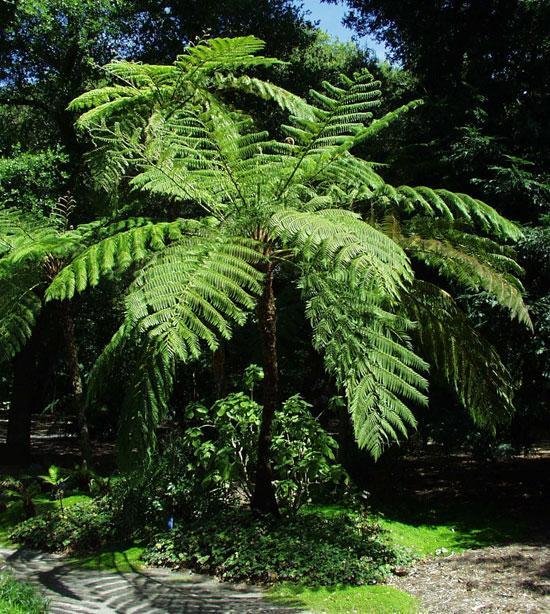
<point x="81" y="527"/>
<point x="310" y="548"/>
<point x="211" y="465"/>
<point x="19" y="597"/>
<point x="224" y="445"/>
<point x="141" y="502"/>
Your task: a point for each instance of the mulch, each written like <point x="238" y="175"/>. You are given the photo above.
<point x="512" y="579"/>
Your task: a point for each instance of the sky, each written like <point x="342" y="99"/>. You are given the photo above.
<point x="330" y="19"/>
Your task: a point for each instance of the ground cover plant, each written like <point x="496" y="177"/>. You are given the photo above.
<point x="310" y="548"/>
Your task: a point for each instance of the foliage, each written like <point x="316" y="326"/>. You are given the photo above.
<point x="141" y="502"/>
<point x="19" y="597"/>
<point x="80" y="527"/>
<point x="308" y="548"/>
<point x="303" y="454"/>
<point x="211" y="463"/>
<point x="172" y="129"/>
<point x="23" y="489"/>
<point x="57" y="480"/>
<point x="32" y="181"/>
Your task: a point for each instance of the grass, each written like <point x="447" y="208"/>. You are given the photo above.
<point x="462" y="530"/>
<point x="112" y="559"/>
<point x="423" y="534"/>
<point x="122" y="560"/>
<point x="347" y="599"/>
<point x="19" y="598"/>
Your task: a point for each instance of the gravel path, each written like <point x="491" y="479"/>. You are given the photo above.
<point x="512" y="579"/>
<point x="153" y="591"/>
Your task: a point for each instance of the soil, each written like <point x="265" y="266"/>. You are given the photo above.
<point x="511" y="579"/>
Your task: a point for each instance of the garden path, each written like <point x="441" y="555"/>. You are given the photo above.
<point x="75" y="590"/>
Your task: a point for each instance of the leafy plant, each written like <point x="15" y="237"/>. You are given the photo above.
<point x="80" y="527"/>
<point x="225" y="440"/>
<point x="308" y="548"/>
<point x="24" y="489"/>
<point x="57" y="480"/>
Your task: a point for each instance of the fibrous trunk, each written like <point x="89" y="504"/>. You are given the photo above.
<point x="263" y="499"/>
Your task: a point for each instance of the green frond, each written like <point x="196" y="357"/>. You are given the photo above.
<point x="19" y="308"/>
<point x="367" y="350"/>
<point x="342" y="238"/>
<point x="224" y="53"/>
<point x="145" y="405"/>
<point x="454" y="206"/>
<point x="468" y="363"/>
<point x="117" y="253"/>
<point x="266" y="91"/>
<point x="382" y="123"/>
<point x="108" y="364"/>
<point x="194" y="292"/>
<point x="470" y="272"/>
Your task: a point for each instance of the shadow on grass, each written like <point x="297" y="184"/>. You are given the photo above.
<point x="115" y="559"/>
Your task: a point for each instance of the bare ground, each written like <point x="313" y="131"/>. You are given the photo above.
<point x="513" y="579"/>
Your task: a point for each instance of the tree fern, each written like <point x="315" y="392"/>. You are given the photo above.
<point x="306" y="200"/>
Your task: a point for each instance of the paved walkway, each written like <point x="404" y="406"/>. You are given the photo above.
<point x="75" y="590"/>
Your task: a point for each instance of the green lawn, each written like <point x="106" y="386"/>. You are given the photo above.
<point x="348" y="599"/>
<point x="112" y="559"/>
<point x="463" y="529"/>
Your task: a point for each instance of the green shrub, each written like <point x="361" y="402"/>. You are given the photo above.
<point x="211" y="464"/>
<point x="309" y="548"/>
<point x="19" y="598"/>
<point x="141" y="502"/>
<point x="81" y="527"/>
<point x="224" y="442"/>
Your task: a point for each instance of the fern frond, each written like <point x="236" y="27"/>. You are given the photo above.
<point x="224" y="53"/>
<point x="452" y="206"/>
<point x="145" y="405"/>
<point x="367" y="349"/>
<point x="194" y="292"/>
<point x="342" y="238"/>
<point x="468" y="363"/>
<point x="19" y="308"/>
<point x="470" y="272"/>
<point x="266" y="91"/>
<point x="117" y="253"/>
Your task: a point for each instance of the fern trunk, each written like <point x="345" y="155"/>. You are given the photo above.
<point x="75" y="380"/>
<point x="263" y="498"/>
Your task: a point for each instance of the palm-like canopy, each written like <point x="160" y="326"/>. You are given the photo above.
<point x="174" y="133"/>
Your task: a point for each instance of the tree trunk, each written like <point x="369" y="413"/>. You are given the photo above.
<point x="75" y="381"/>
<point x="263" y="499"/>
<point x="31" y="370"/>
<point x="18" y="438"/>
